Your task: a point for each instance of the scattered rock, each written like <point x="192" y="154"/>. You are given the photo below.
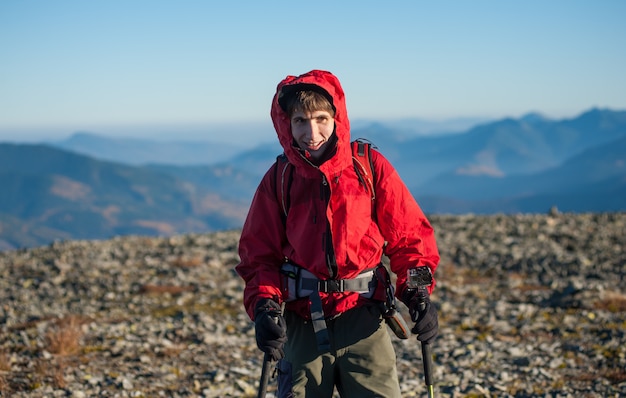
<point x="529" y="305"/>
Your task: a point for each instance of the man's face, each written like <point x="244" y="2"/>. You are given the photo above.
<point x="312" y="131"/>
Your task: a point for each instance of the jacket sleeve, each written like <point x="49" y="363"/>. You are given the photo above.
<point x="260" y="253"/>
<point x="409" y="235"/>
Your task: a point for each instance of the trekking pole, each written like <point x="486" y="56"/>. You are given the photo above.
<point x="419" y="278"/>
<point x="265" y="376"/>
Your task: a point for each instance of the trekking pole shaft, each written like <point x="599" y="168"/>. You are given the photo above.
<point x="427" y="357"/>
<point x="265" y="376"/>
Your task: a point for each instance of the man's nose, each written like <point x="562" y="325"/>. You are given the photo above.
<point x="312" y="129"/>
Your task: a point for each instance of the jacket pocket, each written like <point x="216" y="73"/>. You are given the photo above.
<point x="369" y="248"/>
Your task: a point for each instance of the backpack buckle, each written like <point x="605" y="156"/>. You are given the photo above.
<point x="331" y="286"/>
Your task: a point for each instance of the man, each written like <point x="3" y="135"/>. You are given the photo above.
<point x="312" y="242"/>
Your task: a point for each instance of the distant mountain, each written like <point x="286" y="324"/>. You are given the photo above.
<point x="501" y="160"/>
<point x="144" y="151"/>
<point x="507" y="147"/>
<point x="497" y="149"/>
<point x="256" y="160"/>
<point x="53" y="194"/>
<point x="411" y="127"/>
<point x="512" y="165"/>
<point x="592" y="181"/>
<point x="224" y="179"/>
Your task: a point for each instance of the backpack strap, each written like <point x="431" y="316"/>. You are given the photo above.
<point x="363" y="164"/>
<point x="283" y="177"/>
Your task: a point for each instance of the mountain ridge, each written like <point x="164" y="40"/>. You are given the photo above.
<point x="75" y="196"/>
<point x="521" y="165"/>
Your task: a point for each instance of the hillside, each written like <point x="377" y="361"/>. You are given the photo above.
<point x="525" y="165"/>
<point x="529" y="306"/>
<point x="140" y="152"/>
<point x="592" y="181"/>
<point x="508" y="147"/>
<point x="50" y="194"/>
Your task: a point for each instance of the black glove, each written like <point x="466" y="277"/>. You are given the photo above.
<point x="270" y="327"/>
<point x="423" y="313"/>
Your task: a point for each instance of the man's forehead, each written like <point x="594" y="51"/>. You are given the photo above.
<point x="310" y="115"/>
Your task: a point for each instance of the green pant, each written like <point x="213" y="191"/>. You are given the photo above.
<point x="360" y="364"/>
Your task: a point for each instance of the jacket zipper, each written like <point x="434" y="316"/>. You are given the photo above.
<point x="331" y="261"/>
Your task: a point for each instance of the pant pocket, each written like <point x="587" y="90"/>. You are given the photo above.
<point x="285" y="382"/>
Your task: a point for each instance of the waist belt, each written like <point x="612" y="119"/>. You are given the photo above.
<point x="360" y="284"/>
<point x="300" y="283"/>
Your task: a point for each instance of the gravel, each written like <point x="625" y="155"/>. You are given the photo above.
<point x="529" y="306"/>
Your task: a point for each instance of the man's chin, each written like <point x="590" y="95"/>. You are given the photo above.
<point x="317" y="154"/>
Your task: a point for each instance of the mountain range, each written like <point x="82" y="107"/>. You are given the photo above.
<point x="92" y="187"/>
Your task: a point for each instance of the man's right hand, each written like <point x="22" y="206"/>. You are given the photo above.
<point x="270" y="327"/>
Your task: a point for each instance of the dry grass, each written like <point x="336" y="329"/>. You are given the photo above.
<point x="58" y="374"/>
<point x="614" y="375"/>
<point x="184" y="262"/>
<point x="613" y="302"/>
<point x="4" y="387"/>
<point x="172" y="352"/>
<point x="165" y="289"/>
<point x="5" y="366"/>
<point x="64" y="335"/>
<point x="5" y="362"/>
<point x="49" y="372"/>
<point x="63" y="339"/>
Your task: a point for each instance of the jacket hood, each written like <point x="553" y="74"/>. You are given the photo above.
<point x="327" y="84"/>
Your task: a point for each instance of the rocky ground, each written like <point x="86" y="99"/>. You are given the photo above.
<point x="530" y="306"/>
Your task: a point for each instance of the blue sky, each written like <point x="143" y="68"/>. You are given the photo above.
<point x="111" y="66"/>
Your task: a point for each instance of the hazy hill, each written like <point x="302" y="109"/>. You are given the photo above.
<point x="507" y="147"/>
<point x="603" y="167"/>
<point x="509" y="166"/>
<point x="502" y="148"/>
<point x="224" y="179"/>
<point x="525" y="165"/>
<point x="53" y="194"/>
<point x="143" y="151"/>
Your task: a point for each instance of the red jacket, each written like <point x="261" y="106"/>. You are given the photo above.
<point x="330" y="217"/>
